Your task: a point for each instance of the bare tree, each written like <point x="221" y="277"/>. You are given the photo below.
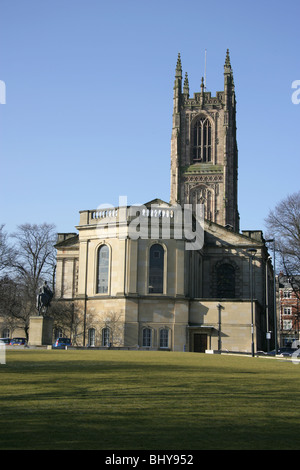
<point x="6" y="251"/>
<point x="68" y="317"/>
<point x="24" y="267"/>
<point x="10" y="304"/>
<point x="34" y="254"/>
<point x="114" y="321"/>
<point x="283" y="223"/>
<point x="33" y="263"/>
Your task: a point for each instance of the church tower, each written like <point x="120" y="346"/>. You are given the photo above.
<point x="204" y="155"/>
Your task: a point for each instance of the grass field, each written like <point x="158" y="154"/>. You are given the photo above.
<point x="120" y="400"/>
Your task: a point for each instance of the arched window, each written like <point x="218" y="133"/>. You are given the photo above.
<point x="58" y="333"/>
<point x="103" y="270"/>
<point x="204" y="195"/>
<point x="202" y="148"/>
<point x="147" y="338"/>
<point x="156" y="269"/>
<point x="92" y="337"/>
<point x="164" y="338"/>
<point x="105" y="337"/>
<point x="6" y="333"/>
<point x="226" y="281"/>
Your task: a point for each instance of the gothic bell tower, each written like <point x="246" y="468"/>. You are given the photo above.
<point x="204" y="155"/>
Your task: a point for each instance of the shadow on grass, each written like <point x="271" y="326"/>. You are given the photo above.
<point x="146" y="401"/>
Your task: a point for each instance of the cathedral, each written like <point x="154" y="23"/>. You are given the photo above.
<point x="177" y="275"/>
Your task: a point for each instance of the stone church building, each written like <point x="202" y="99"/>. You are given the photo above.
<point x="159" y="276"/>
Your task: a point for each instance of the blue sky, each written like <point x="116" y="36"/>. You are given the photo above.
<point x="89" y="88"/>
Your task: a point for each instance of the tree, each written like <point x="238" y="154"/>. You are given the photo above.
<point x="283" y="223"/>
<point x="23" y="268"/>
<point x="10" y="304"/>
<point x="6" y="252"/>
<point x="33" y="263"/>
<point x="34" y="259"/>
<point x="68" y="318"/>
<point x="114" y="321"/>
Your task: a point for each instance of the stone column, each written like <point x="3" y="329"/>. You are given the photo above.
<point x="40" y="331"/>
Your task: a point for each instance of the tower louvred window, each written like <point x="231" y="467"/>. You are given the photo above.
<point x="202" y="141"/>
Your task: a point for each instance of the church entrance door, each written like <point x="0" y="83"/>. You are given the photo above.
<point x="200" y="342"/>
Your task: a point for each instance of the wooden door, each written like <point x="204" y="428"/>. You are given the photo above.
<point x="200" y="342"/>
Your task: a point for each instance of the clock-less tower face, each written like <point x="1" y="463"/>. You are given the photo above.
<point x="204" y="149"/>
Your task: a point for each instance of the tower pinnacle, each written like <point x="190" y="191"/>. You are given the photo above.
<point x="227" y="60"/>
<point x="202" y="85"/>
<point x="178" y="72"/>
<point x="186" y="87"/>
<point x="227" y="67"/>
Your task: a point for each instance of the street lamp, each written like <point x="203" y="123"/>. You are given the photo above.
<point x="219" y="307"/>
<point x="272" y="240"/>
<point x="267" y="305"/>
<point x="252" y="252"/>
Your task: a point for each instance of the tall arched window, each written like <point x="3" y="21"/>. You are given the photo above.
<point x="156" y="269"/>
<point x="202" y="148"/>
<point x="105" y="337"/>
<point x="226" y="281"/>
<point x="5" y="333"/>
<point x="103" y="270"/>
<point x="147" y="338"/>
<point x="164" y="338"/>
<point x="92" y="337"/>
<point x="58" y="333"/>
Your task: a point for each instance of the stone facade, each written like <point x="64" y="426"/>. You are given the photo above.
<point x="132" y="275"/>
<point x="189" y="303"/>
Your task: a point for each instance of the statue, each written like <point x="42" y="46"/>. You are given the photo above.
<point x="44" y="298"/>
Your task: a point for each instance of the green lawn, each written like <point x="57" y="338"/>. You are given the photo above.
<point x="120" y="400"/>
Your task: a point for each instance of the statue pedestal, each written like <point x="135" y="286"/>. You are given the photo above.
<point x="40" y="331"/>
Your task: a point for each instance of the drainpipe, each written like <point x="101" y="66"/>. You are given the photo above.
<point x="219" y="306"/>
<point x="85" y="292"/>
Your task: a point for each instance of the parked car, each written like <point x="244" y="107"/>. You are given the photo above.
<point x="6" y="341"/>
<point x="286" y="351"/>
<point x="62" y="343"/>
<point x="283" y="352"/>
<point x="18" y="342"/>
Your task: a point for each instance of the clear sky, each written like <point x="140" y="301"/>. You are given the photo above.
<point x="89" y="88"/>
